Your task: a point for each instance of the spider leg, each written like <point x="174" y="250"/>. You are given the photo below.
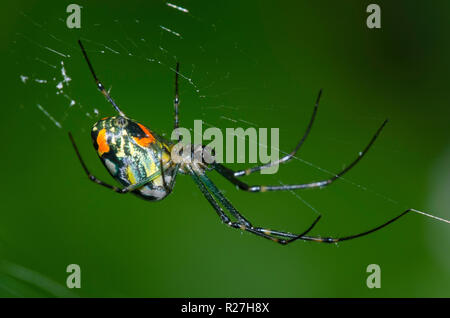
<point x="291" y="154"/>
<point x="176" y="101"/>
<point x="168" y="187"/>
<point x="350" y="237"/>
<point x="100" y="182"/>
<point x="231" y="176"/>
<point x="206" y="189"/>
<point x="100" y="86"/>
<point x="223" y="200"/>
<point x="271" y="234"/>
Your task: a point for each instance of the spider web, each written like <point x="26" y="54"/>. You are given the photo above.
<point x="156" y="44"/>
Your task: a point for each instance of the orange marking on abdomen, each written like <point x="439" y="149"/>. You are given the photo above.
<point x="102" y="143"/>
<point x="147" y="140"/>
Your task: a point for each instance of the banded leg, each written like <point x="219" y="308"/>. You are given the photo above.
<point x="288" y="156"/>
<point x="231" y="176"/>
<point x="100" y="86"/>
<point x="266" y="233"/>
<point x="346" y="238"/>
<point x="100" y="182"/>
<point x="176" y="101"/>
<point x="223" y="200"/>
<point x="271" y="234"/>
<point x="351" y="237"/>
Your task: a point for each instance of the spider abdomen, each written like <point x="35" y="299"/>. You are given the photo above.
<point x="133" y="155"/>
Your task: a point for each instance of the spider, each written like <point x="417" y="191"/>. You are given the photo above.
<point x="140" y="160"/>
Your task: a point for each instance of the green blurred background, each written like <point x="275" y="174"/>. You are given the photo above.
<point x="251" y="63"/>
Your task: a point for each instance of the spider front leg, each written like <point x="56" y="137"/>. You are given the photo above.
<point x="231" y="175"/>
<point x="351" y="237"/>
<point x="207" y="187"/>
